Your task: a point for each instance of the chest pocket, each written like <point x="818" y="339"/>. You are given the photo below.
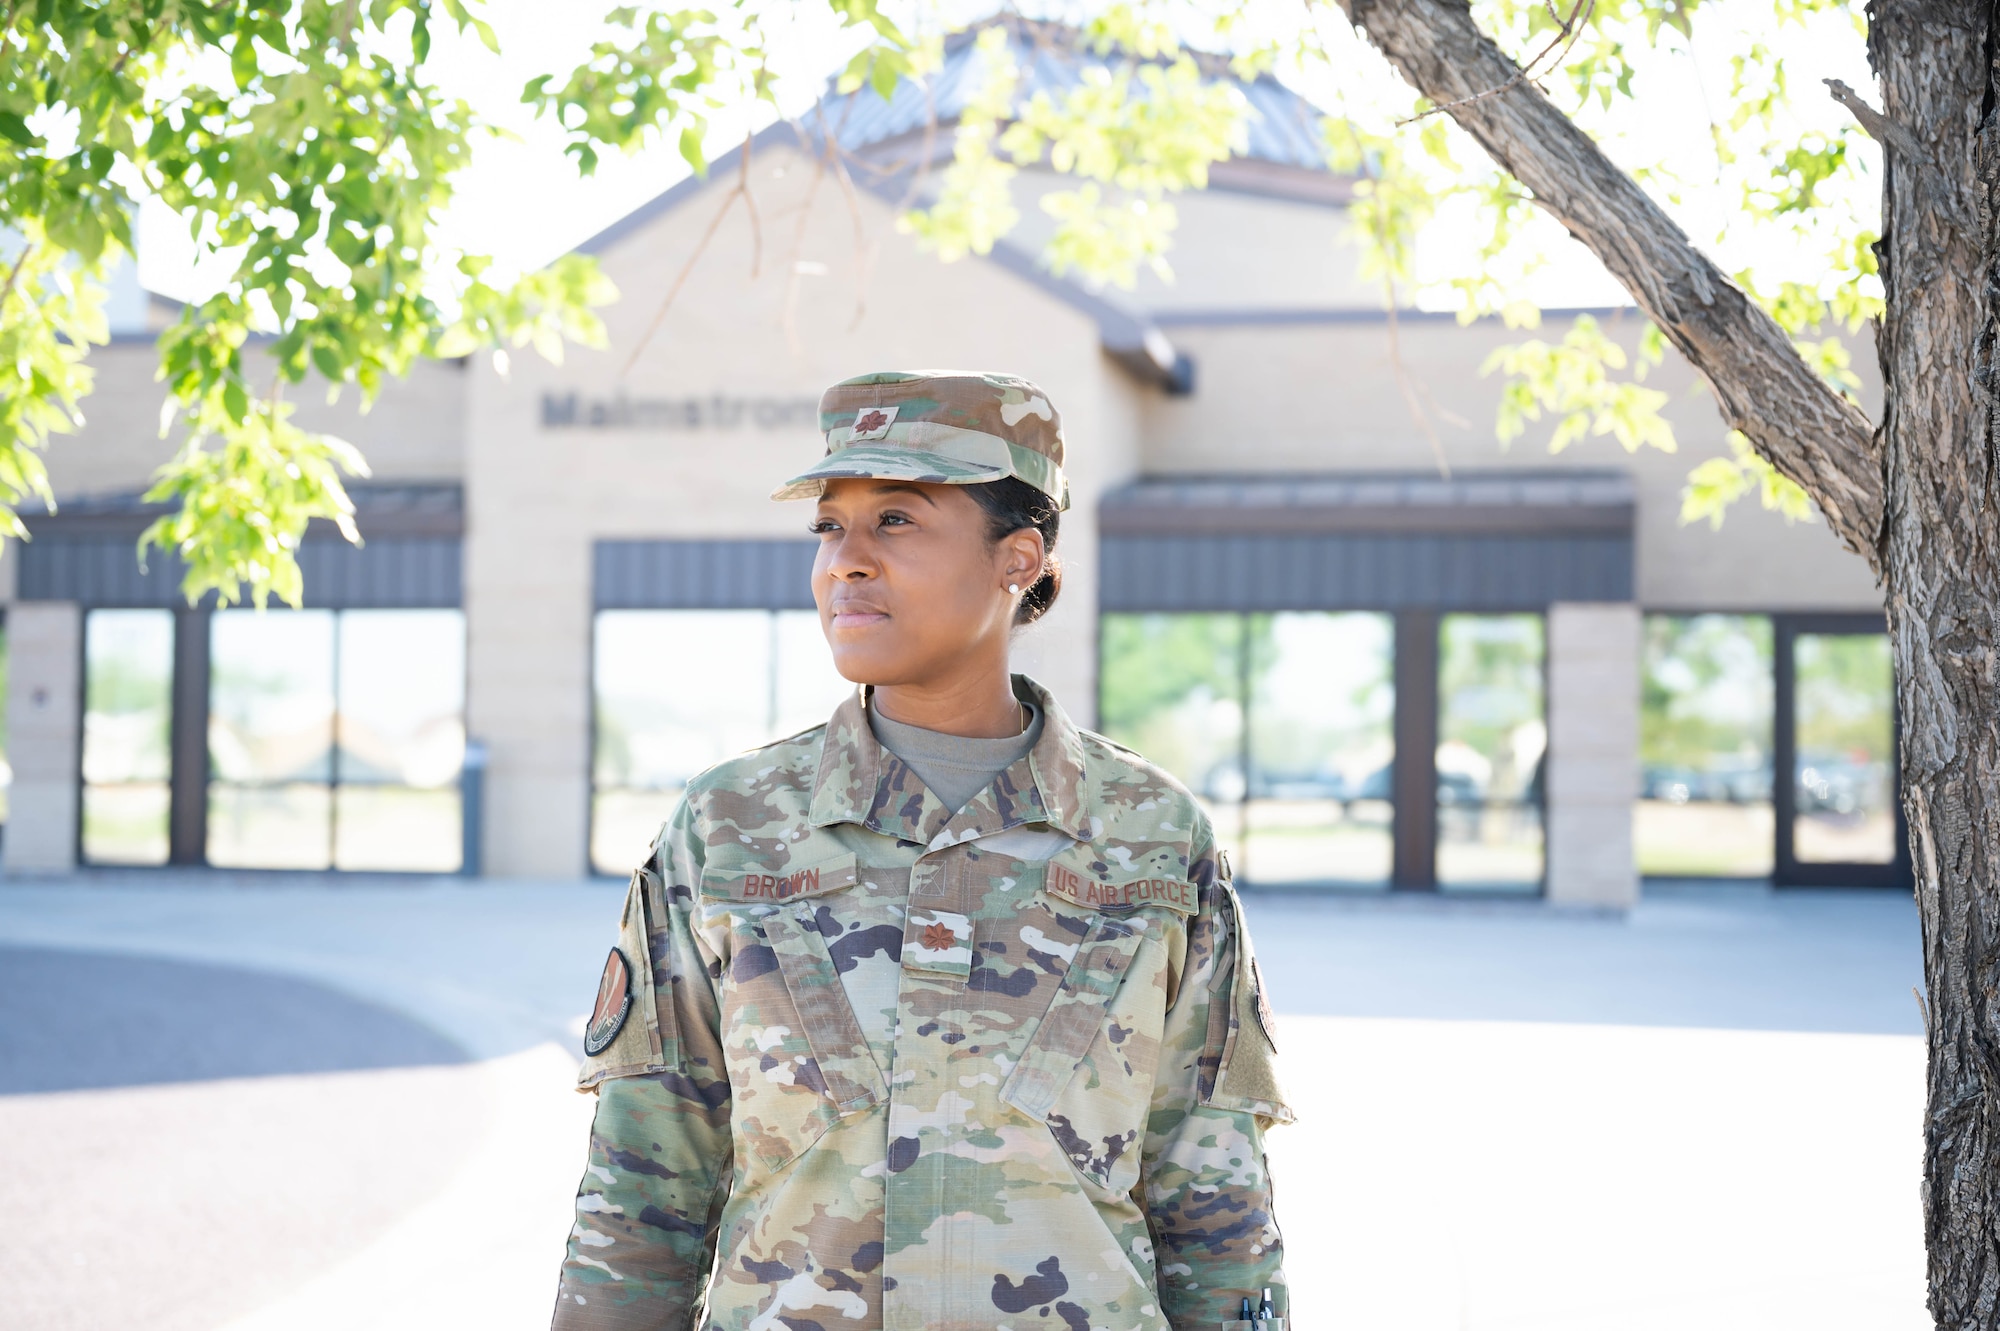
<point x="1084" y="1076"/>
<point x="798" y="1060"/>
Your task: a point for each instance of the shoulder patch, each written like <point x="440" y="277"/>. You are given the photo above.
<point x="614" y="1004"/>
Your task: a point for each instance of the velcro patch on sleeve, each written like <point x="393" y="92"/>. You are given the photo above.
<point x="1092" y="893"/>
<point x="939" y="941"/>
<point x="769" y="886"/>
<point x="622" y="1035"/>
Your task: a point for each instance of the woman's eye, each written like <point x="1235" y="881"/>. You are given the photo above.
<point x="894" y="520"/>
<point x="821" y="526"/>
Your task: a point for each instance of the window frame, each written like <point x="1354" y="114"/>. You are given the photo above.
<point x="1787" y="870"/>
<point x="191" y="773"/>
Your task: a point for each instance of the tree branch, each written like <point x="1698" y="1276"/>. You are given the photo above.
<point x="1762" y="385"/>
<point x="1880" y="128"/>
<point x="1944" y="194"/>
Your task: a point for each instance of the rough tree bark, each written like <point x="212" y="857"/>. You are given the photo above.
<point x="1916" y="498"/>
<point x="1941" y="568"/>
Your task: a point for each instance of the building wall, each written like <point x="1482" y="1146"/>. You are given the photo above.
<point x="1593" y="672"/>
<point x="1302" y="258"/>
<point x="751" y="322"/>
<point x="814" y="284"/>
<point x="44" y="721"/>
<point x="1321" y="396"/>
<point x="415" y="431"/>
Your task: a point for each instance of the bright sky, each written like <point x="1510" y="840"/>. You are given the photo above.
<point x="523" y="202"/>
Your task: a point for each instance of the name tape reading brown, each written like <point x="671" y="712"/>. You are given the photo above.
<point x="756" y="885"/>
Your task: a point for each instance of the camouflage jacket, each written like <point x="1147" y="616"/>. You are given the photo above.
<point x="865" y="1064"/>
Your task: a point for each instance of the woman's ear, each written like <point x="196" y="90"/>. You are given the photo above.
<point x="1022" y="553"/>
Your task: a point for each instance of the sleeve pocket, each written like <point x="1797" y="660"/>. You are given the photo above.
<point x="644" y="1039"/>
<point x="1240" y="1039"/>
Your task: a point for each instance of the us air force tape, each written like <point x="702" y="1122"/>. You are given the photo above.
<point x="614" y="1004"/>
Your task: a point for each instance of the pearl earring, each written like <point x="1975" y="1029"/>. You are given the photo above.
<point x="1013" y="589"/>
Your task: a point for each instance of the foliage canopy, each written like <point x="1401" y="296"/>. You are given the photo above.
<point x="302" y="140"/>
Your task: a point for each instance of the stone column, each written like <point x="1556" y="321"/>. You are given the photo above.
<point x="1593" y="770"/>
<point x="44" y="724"/>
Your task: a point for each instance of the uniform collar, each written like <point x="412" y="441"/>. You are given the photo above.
<point x="859" y="781"/>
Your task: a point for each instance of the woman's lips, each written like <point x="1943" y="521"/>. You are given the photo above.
<point x="855" y="617"/>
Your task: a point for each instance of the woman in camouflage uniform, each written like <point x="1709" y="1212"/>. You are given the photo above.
<point x="940" y="1016"/>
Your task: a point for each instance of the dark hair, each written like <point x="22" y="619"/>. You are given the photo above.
<point x="1010" y="506"/>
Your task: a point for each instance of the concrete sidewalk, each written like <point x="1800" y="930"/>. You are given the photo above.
<point x="1704" y="1113"/>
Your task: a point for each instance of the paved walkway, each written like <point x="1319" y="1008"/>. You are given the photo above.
<point x="305" y="1103"/>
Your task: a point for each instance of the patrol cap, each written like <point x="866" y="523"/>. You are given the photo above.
<point x="947" y="427"/>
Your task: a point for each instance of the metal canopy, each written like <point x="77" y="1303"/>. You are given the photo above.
<point x="1370" y="541"/>
<point x="703" y="575"/>
<point x="412" y="558"/>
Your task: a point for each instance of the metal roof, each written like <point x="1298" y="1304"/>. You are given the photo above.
<point x="1283" y="127"/>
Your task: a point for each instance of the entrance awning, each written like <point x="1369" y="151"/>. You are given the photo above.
<point x="1367" y="541"/>
<point x="412" y="558"/>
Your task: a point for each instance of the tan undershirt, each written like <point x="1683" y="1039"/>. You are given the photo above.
<point x="954" y="767"/>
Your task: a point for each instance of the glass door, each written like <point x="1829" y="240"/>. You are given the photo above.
<point x="128" y="682"/>
<point x="1839" y="813"/>
<point x="1492" y="735"/>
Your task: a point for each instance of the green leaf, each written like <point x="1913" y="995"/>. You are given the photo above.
<point x="16" y="129"/>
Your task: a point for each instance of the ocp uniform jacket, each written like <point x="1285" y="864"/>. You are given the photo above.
<point x="883" y="1067"/>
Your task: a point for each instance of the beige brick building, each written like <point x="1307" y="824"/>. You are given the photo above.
<point x="1382" y="659"/>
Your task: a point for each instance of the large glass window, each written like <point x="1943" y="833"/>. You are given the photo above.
<point x="1302" y="795"/>
<point x="1492" y="736"/>
<point x="1322" y="743"/>
<point x="1171" y="687"/>
<point x="399" y="735"/>
<point x="128" y="673"/>
<point x="1705" y="747"/>
<point x="677" y="691"/>
<point x="1843" y="782"/>
<point x="335" y="739"/>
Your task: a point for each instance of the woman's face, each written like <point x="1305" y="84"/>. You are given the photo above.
<point x="909" y="589"/>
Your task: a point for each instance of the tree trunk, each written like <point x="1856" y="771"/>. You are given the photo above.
<point x="1919" y="498"/>
<point x="1941" y="567"/>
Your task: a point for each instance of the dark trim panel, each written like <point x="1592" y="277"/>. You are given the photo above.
<point x="187" y="800"/>
<point x="1280" y="317"/>
<point x="1362" y="572"/>
<point x="1225" y="519"/>
<point x="100" y="569"/>
<point x="1413" y="777"/>
<point x="755" y="574"/>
